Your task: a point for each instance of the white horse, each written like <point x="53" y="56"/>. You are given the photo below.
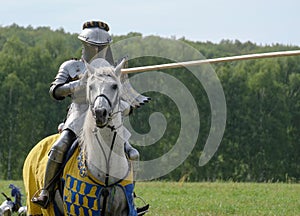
<point x="98" y="178"/>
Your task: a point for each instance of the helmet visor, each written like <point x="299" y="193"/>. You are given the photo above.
<point x="94" y="51"/>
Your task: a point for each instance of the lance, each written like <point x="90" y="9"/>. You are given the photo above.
<point x="210" y="61"/>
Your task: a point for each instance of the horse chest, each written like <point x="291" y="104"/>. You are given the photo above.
<point x="83" y="196"/>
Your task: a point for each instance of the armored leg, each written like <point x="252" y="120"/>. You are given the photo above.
<point x="131" y="152"/>
<point x="55" y="159"/>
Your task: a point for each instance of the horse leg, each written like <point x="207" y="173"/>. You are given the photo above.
<point x="116" y="202"/>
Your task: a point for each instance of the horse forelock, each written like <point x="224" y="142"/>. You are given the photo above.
<point x="103" y="72"/>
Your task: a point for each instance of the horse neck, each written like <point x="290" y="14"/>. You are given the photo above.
<point x="104" y="151"/>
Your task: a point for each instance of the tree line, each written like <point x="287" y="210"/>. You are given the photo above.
<point x="261" y="139"/>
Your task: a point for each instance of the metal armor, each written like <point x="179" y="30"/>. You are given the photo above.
<point x="95" y="40"/>
<point x="95" y="36"/>
<point x="67" y="83"/>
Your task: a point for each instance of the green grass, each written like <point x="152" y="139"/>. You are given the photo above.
<point x="207" y="199"/>
<point x="4" y="188"/>
<point x="227" y="198"/>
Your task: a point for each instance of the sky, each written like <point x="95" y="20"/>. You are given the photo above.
<point x="264" y="22"/>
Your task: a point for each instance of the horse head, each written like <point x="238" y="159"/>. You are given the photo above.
<point x="103" y="90"/>
<point x="103" y="132"/>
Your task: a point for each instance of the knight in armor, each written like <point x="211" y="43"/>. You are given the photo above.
<point x="95" y="40"/>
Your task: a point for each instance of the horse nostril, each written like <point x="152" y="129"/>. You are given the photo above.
<point x="104" y="113"/>
<point x="100" y="113"/>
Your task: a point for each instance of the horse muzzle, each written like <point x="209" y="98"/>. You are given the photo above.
<point x="101" y="110"/>
<point x="101" y="117"/>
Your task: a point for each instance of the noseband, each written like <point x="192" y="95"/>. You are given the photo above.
<point x="104" y="96"/>
<point x="93" y="104"/>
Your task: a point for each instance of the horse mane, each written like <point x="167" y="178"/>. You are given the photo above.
<point x="89" y="125"/>
<point x="93" y="140"/>
<point x="105" y="71"/>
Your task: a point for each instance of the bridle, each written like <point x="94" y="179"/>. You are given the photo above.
<point x="105" y="191"/>
<point x="93" y="103"/>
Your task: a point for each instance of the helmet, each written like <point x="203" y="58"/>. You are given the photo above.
<point x="95" y="33"/>
<point x="96" y="39"/>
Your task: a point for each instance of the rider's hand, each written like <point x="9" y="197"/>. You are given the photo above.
<point x="78" y="90"/>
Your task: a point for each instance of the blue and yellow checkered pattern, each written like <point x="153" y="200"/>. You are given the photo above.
<point x="82" y="194"/>
<point x="81" y="198"/>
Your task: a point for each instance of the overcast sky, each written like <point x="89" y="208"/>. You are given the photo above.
<point x="259" y="21"/>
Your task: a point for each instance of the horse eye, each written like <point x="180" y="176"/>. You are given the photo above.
<point x="114" y="86"/>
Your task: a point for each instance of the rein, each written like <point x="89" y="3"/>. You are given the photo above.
<point x="105" y="191"/>
<point x="107" y="164"/>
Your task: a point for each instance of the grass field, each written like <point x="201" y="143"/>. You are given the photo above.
<point x="209" y="199"/>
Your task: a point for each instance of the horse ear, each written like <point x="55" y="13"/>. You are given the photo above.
<point x="89" y="67"/>
<point x="120" y="66"/>
<point x="84" y="77"/>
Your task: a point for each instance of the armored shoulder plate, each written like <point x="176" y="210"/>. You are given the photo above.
<point x="73" y="68"/>
<point x="69" y="70"/>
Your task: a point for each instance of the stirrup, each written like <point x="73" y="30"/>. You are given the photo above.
<point x="144" y="209"/>
<point x="42" y="201"/>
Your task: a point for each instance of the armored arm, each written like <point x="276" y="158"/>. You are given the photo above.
<point x="66" y="81"/>
<point x="61" y="91"/>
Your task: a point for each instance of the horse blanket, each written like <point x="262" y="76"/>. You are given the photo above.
<point x="81" y="195"/>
